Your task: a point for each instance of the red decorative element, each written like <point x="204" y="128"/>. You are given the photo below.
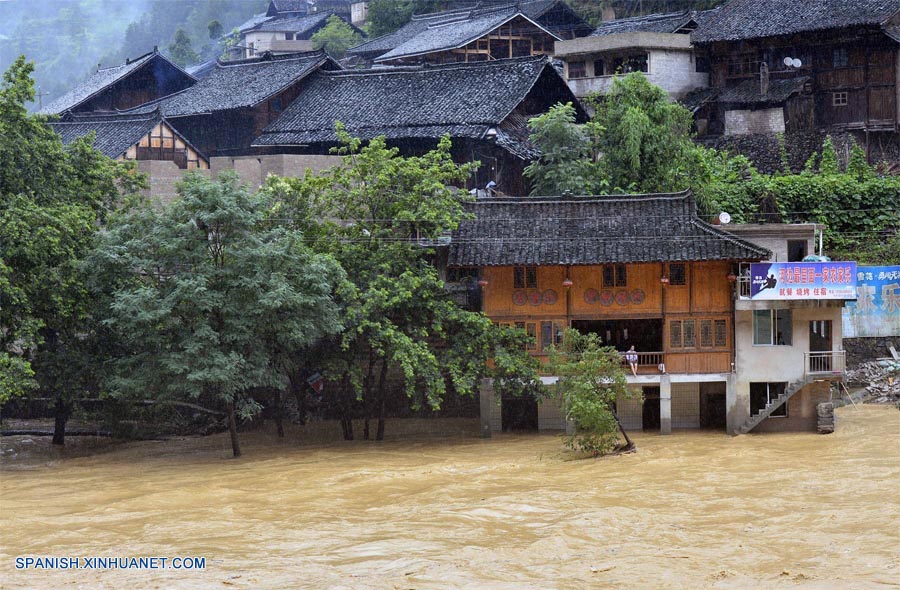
<point x="622" y="297"/>
<point x="567" y="283"/>
<point x="732" y="277"/>
<point x="483" y="282"/>
<point x="591" y="296"/>
<point x="606" y="297"/>
<point x="550" y="297"/>
<point x="638" y="296"/>
<point x="664" y="280"/>
<point x="520" y="297"/>
<point x="535" y="298"/>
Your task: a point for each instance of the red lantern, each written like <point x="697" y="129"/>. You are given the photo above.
<point x="482" y="282"/>
<point x="732" y="277"/>
<point x="567" y="283"/>
<point x="664" y="280"/>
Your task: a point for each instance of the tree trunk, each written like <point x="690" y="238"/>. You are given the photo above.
<point x="381" y="395"/>
<point x="366" y="427"/>
<point x="347" y="427"/>
<point x="62" y="416"/>
<point x="297" y="389"/>
<point x="279" y="418"/>
<point x="629" y="444"/>
<point x="232" y="428"/>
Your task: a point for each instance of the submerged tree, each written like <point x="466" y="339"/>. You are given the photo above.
<point x="399" y="320"/>
<point x="205" y="291"/>
<point x="591" y="381"/>
<point x="52" y="200"/>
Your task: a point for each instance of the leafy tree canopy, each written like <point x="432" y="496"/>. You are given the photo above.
<point x="336" y="37"/>
<point x="181" y="50"/>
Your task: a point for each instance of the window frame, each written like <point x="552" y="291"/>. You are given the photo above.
<point x="525" y="277"/>
<point x="674" y="279"/>
<point x="614" y="275"/>
<point x="775" y="319"/>
<point x="840" y="99"/>
<point x="583" y="71"/>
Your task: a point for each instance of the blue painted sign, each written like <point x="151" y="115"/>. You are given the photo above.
<point x="803" y="280"/>
<point x="876" y="311"/>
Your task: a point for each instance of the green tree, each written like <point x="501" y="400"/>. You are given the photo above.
<point x="52" y="200"/>
<point x="398" y="317"/>
<point x="215" y="29"/>
<point x="591" y="380"/>
<point x="336" y="37"/>
<point x="567" y="159"/>
<point x="646" y="142"/>
<point x="181" y="50"/>
<point x="208" y="297"/>
<point x="386" y="16"/>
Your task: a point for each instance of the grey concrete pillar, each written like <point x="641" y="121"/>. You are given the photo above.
<point x="734" y="417"/>
<point x="486" y="399"/>
<point x="665" y="404"/>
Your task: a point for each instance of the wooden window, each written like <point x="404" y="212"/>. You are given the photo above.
<point x="839" y="57"/>
<point x="706" y="333"/>
<point x="577" y="69"/>
<point x="721" y="333"/>
<point x="743" y="65"/>
<point x="675" y="335"/>
<point x="839" y="99"/>
<point x="615" y="275"/>
<point x="546" y="335"/>
<point x="690" y="335"/>
<point x="677" y="273"/>
<point x="531" y="330"/>
<point x="525" y="277"/>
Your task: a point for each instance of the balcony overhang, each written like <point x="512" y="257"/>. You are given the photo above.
<point x="746" y="304"/>
<point x="623" y="41"/>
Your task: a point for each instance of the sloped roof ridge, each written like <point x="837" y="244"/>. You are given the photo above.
<point x="268" y="57"/>
<point x="425" y="68"/>
<point x="726" y="235"/>
<point x="442" y="13"/>
<point x="115" y="116"/>
<point x="624" y="197"/>
<point x="129" y="61"/>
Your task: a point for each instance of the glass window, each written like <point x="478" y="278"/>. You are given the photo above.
<point x="772" y="327"/>
<point x="531" y="277"/>
<point x="675" y="334"/>
<point x="518" y="277"/>
<point x="525" y="277"/>
<point x="706" y="333"/>
<point x="840" y="57"/>
<point x="677" y="274"/>
<point x="839" y="99"/>
<point x="546" y="335"/>
<point x="721" y="333"/>
<point x="615" y="275"/>
<point x="690" y="335"/>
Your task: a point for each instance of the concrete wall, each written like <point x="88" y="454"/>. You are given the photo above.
<point x="163" y="177"/>
<point x="672" y="70"/>
<point x="774" y="364"/>
<point x="631" y="412"/>
<point x="861" y="350"/>
<point x="775" y="236"/>
<point x="801" y="410"/>
<point x="744" y="122"/>
<point x="550" y="414"/>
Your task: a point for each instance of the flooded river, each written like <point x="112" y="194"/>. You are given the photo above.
<point x="691" y="510"/>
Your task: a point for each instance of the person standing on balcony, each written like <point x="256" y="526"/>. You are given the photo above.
<point x="632" y="357"/>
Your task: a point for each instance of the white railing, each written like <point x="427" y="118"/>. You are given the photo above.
<point x="827" y="362"/>
<point x="742" y="288"/>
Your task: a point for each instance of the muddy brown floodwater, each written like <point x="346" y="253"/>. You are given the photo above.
<point x="691" y="510"/>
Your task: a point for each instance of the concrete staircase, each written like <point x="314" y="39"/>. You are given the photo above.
<point x="776" y="403"/>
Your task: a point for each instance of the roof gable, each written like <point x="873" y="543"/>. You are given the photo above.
<point x="592" y="230"/>
<point x="751" y="19"/>
<point x="242" y="83"/>
<point x="105" y="78"/>
<point x="463" y="100"/>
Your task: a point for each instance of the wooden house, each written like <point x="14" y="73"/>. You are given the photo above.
<point x="782" y="65"/>
<point x="222" y="113"/>
<point x="138" y="137"/>
<point x="483" y="107"/>
<point x="140" y="80"/>
<point x="286" y="35"/>
<point x="479" y="33"/>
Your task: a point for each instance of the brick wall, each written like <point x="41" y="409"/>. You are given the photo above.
<point x="743" y="122"/>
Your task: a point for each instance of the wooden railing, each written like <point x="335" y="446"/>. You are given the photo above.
<point x="648" y="362"/>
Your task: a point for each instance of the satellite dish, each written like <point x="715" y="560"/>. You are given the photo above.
<point x="788" y="62"/>
<point x="796" y="62"/>
<point x="724" y="218"/>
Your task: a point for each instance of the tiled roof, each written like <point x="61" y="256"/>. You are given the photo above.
<point x="747" y="92"/>
<point x="463" y="100"/>
<point x="102" y="79"/>
<point x="592" y="230"/>
<point x="751" y="19"/>
<point x="279" y="6"/>
<point x="651" y="23"/>
<point x="241" y="83"/>
<point x="115" y="132"/>
<point x="453" y="33"/>
<point x="430" y="27"/>
<point x="254" y="21"/>
<point x="294" y="24"/>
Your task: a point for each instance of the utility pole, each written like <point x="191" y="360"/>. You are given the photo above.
<point x="40" y="96"/>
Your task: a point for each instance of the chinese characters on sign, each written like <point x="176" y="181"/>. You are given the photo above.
<point x="803" y="280"/>
<point x="876" y="311"/>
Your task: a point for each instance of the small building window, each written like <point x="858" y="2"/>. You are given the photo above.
<point x="839" y="99"/>
<point x="721" y="333"/>
<point x="690" y="334"/>
<point x="762" y="394"/>
<point x="796" y="250"/>
<point x="772" y="327"/>
<point x="675" y="335"/>
<point x="706" y="333"/>
<point x="599" y="67"/>
<point x="614" y="275"/>
<point x="577" y="69"/>
<point x="839" y="57"/>
<point x="677" y="273"/>
<point x="525" y="277"/>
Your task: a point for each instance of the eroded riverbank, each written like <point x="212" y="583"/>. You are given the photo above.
<point x="692" y="510"/>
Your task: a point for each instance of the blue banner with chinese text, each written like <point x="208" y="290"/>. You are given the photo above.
<point x="876" y="311"/>
<point x="803" y="280"/>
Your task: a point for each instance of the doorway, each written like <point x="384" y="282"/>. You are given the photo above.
<point x="650" y="415"/>
<point x="519" y="414"/>
<point x="644" y="334"/>
<point x="820" y="341"/>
